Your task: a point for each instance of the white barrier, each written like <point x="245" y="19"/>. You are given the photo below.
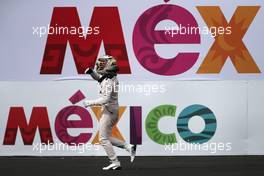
<point x="235" y="106"/>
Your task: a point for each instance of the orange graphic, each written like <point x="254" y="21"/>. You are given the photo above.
<point x="115" y="132"/>
<point x="229" y="44"/>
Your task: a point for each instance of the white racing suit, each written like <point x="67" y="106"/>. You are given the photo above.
<point x="108" y="98"/>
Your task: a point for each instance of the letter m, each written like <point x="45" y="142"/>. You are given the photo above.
<point x="17" y="119"/>
<point x="84" y="49"/>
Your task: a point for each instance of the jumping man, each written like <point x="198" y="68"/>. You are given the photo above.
<point x="106" y="75"/>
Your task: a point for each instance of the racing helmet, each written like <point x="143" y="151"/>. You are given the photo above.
<point x="106" y="64"/>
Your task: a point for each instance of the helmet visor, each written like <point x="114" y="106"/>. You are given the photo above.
<point x="100" y="64"/>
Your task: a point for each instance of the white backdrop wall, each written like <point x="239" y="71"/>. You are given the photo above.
<point x="22" y="51"/>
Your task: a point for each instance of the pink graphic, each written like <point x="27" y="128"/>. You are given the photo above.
<point x="77" y="97"/>
<point x="62" y="123"/>
<point x="145" y="37"/>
